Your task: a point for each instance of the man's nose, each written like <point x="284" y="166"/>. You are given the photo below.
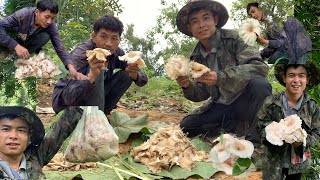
<point x="13" y="134"/>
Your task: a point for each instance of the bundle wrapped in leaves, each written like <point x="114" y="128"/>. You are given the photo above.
<point x="168" y="147"/>
<point x="94" y="138"/>
<point x="40" y="66"/>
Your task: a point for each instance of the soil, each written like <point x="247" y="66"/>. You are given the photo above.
<point x="174" y="115"/>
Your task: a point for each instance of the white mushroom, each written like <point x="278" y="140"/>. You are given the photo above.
<point x="291" y="123"/>
<point x="274" y="133"/>
<point x="197" y="69"/>
<point x="241" y="148"/>
<point x="177" y="66"/>
<point x="219" y="153"/>
<point x="133" y="57"/>
<point x="249" y="30"/>
<point x="99" y="53"/>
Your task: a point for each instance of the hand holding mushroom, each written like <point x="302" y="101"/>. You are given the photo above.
<point x="288" y="130"/>
<point x="96" y="66"/>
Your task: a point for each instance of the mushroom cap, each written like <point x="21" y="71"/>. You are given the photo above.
<point x="291" y="123"/>
<point x="274" y="133"/>
<point x="197" y="69"/>
<point x="177" y="66"/>
<point x="133" y="57"/>
<point x="219" y="153"/>
<point x="249" y="30"/>
<point x="241" y="148"/>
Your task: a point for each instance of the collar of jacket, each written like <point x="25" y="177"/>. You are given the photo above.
<point x="278" y="99"/>
<point x="214" y="40"/>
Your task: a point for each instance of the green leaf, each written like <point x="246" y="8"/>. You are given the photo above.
<point x="240" y="166"/>
<point x="123" y="125"/>
<point x="200" y="145"/>
<point x="202" y="169"/>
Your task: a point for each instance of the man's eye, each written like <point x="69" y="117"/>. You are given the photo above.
<point x="5" y="129"/>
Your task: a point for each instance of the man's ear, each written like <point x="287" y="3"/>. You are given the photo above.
<point x="216" y="19"/>
<point x="284" y="78"/>
<point x="93" y="35"/>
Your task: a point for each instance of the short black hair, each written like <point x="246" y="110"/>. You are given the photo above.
<point x="198" y="9"/>
<point x="295" y="66"/>
<point x="50" y="5"/>
<point x="255" y="4"/>
<point x="108" y="22"/>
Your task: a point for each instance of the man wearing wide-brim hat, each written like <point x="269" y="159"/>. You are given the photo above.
<point x="236" y="84"/>
<point x="24" y="147"/>
<point x="290" y="160"/>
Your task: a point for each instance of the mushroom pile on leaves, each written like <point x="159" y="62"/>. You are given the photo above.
<point x="40" y="66"/>
<point x="227" y="151"/>
<point x="288" y="130"/>
<point x="168" y="147"/>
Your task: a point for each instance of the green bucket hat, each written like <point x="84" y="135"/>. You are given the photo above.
<point x="216" y="7"/>
<point x="37" y="131"/>
<point x="312" y="69"/>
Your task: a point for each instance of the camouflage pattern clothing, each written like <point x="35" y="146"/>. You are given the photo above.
<point x="39" y="156"/>
<point x="278" y="157"/>
<point x="235" y="63"/>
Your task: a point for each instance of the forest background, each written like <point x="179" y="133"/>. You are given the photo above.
<point x="161" y="41"/>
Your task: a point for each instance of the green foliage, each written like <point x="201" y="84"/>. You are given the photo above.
<point x="13" y="5"/>
<point x="76" y="18"/>
<point x="308" y="12"/>
<point x="14" y="91"/>
<point x="240" y="166"/>
<point x="123" y="125"/>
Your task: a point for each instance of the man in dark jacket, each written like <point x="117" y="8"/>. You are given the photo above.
<point x="284" y="39"/>
<point x="24" y="147"/>
<point x="104" y="87"/>
<point x="236" y="84"/>
<point x="33" y="28"/>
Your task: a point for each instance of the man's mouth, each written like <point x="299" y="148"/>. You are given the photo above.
<point x="203" y="32"/>
<point x="13" y="144"/>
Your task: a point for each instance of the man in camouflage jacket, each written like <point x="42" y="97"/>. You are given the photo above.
<point x="235" y="86"/>
<point x="24" y="147"/>
<point x="278" y="158"/>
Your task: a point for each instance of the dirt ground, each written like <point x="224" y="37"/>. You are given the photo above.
<point x="44" y="92"/>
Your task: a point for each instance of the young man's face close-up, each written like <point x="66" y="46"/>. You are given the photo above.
<point x="14" y="137"/>
<point x="256" y="13"/>
<point x="107" y="39"/>
<point x="296" y="80"/>
<point x="202" y="24"/>
<point x="44" y="18"/>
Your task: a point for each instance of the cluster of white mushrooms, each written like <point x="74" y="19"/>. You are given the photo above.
<point x="224" y="154"/>
<point x="249" y="30"/>
<point x="167" y="147"/>
<point x="179" y="65"/>
<point x="40" y="66"/>
<point x="287" y="130"/>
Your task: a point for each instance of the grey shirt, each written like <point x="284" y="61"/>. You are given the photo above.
<point x="8" y="172"/>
